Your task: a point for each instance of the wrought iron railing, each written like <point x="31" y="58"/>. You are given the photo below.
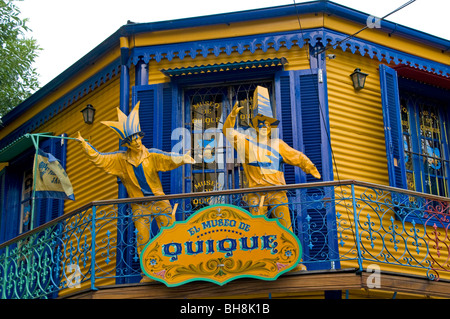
<point x="339" y="224"/>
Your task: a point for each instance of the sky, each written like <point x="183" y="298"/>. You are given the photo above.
<point x="66" y="30"/>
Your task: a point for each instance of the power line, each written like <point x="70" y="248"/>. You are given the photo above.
<point x="354" y="34"/>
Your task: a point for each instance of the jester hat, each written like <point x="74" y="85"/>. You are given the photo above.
<point x="262" y="108"/>
<point x="127" y="126"/>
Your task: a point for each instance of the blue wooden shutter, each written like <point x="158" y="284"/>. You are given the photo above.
<point x="286" y="112"/>
<point x="312" y="124"/>
<point x="156" y="117"/>
<point x="147" y="95"/>
<point x="313" y="217"/>
<point x="3" y="207"/>
<point x="166" y="120"/>
<point x="48" y="209"/>
<point x="302" y="126"/>
<point x="392" y="127"/>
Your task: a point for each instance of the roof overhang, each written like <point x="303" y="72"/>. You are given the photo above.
<point x="18" y="146"/>
<point x="15" y="148"/>
<point x="225" y="67"/>
<point x="423" y="76"/>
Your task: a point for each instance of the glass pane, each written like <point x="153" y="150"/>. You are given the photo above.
<point x="207" y="117"/>
<point x="217" y="166"/>
<point x="407" y="145"/>
<point x="431" y="149"/>
<point x="26" y="202"/>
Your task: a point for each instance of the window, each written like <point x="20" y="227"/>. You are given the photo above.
<point x="424" y="129"/>
<point x="26" y="202"/>
<point x="206" y="109"/>
<point x="416" y="121"/>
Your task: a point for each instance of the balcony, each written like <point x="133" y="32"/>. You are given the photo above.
<point x="344" y="227"/>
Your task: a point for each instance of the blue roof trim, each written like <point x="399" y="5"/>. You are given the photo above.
<point x="53" y="109"/>
<point x="276" y="41"/>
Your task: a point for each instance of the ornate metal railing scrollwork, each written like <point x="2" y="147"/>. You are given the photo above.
<point x="339" y="225"/>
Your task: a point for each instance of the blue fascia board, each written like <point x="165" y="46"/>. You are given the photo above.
<point x="226" y="18"/>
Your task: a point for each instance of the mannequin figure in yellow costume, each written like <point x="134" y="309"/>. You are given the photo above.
<point x="138" y="168"/>
<point x="262" y="158"/>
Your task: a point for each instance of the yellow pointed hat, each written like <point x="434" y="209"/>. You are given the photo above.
<point x="262" y="108"/>
<point x="127" y="125"/>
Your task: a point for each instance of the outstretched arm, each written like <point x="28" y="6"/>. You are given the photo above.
<point x="106" y="162"/>
<point x="165" y="161"/>
<point x="296" y="158"/>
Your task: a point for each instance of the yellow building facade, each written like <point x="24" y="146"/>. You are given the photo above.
<point x="380" y="207"/>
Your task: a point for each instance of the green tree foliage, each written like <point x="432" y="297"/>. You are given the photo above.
<point x="18" y="79"/>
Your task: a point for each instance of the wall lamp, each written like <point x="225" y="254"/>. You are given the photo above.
<point x="358" y="78"/>
<point x="88" y="114"/>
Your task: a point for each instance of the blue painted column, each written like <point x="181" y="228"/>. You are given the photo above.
<point x="125" y="253"/>
<point x="141" y="74"/>
<point x="124" y="94"/>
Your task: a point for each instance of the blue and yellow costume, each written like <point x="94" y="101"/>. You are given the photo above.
<point x="138" y="168"/>
<point x="262" y="158"/>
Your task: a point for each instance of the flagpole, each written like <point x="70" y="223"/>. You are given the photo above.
<point x="33" y="199"/>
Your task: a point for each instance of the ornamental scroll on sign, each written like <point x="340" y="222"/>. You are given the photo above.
<point x="218" y="244"/>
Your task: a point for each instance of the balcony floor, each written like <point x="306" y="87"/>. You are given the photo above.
<point x="304" y="284"/>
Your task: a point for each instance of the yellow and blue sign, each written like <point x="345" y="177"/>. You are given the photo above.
<point x="221" y="243"/>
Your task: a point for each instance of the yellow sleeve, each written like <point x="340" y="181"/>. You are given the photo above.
<point x="296" y="158"/>
<point x="108" y="162"/>
<point x="164" y="161"/>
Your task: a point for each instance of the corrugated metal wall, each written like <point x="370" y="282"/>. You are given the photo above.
<point x="356" y="120"/>
<point x="89" y="182"/>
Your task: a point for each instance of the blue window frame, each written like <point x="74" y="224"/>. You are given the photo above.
<point x="205" y="112"/>
<point x="425" y="142"/>
<point x="416" y="122"/>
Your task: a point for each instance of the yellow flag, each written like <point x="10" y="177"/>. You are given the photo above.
<point x="51" y="178"/>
